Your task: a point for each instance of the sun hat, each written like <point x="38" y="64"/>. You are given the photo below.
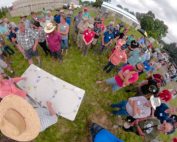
<point x="49" y="27"/>
<point x="18" y="119"/>
<point x="155" y="102"/>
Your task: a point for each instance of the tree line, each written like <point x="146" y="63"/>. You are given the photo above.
<point x="3" y="11"/>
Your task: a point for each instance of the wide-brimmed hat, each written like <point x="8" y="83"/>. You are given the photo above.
<point x="18" y="119"/>
<point x="155" y="102"/>
<point x="49" y="28"/>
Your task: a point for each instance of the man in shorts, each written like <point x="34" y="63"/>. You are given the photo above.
<point x="28" y="40"/>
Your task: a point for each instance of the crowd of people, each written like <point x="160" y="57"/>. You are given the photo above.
<point x="147" y="114"/>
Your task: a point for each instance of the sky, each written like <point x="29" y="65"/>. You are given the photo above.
<point x="165" y="10"/>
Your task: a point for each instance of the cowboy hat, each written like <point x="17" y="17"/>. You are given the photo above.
<point x="18" y="119"/>
<point x="155" y="102"/>
<point x="49" y="28"/>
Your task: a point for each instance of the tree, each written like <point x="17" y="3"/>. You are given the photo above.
<point x="172" y="51"/>
<point x="154" y="27"/>
<point x="98" y="3"/>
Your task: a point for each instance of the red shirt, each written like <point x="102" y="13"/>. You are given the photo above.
<point x="125" y="71"/>
<point x="165" y="95"/>
<point x="54" y="41"/>
<point x="88" y="36"/>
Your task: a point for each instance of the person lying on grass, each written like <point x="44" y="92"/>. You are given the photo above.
<point x="126" y="76"/>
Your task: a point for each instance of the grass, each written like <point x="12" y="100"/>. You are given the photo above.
<point x="82" y="72"/>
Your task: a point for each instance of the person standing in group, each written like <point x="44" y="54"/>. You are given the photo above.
<point x="49" y="17"/>
<point x="27" y="41"/>
<point x="82" y="26"/>
<point x="118" y="56"/>
<point x="76" y="22"/>
<point x="42" y="37"/>
<point x="54" y="41"/>
<point x="63" y="29"/>
<point x="88" y="37"/>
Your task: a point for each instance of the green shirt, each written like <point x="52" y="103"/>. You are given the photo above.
<point x="150" y="128"/>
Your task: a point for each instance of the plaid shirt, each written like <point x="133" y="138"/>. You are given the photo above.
<point x="26" y="39"/>
<point x="41" y="35"/>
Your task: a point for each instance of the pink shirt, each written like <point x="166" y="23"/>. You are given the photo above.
<point x="125" y="71"/>
<point x="8" y="87"/>
<point x="120" y="42"/>
<point x="118" y="56"/>
<point x="54" y="41"/>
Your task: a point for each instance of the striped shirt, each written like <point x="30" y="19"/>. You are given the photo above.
<point x="26" y="39"/>
<point x="45" y="118"/>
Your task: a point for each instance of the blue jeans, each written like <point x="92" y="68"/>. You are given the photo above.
<point x="113" y="83"/>
<point x="122" y="108"/>
<point x="64" y="43"/>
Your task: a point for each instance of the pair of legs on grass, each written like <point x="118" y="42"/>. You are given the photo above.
<point x="111" y="82"/>
<point x="122" y="108"/>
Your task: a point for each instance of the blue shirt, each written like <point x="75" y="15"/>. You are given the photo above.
<point x="3" y="29"/>
<point x="135" y="57"/>
<point x="160" y="112"/>
<point x="57" y="19"/>
<point x="108" y="37"/>
<point x="141" y="41"/>
<point x="68" y="20"/>
<point x="86" y="14"/>
<point x="115" y="33"/>
<point x="106" y="136"/>
<point x="147" y="66"/>
<point x="12" y="35"/>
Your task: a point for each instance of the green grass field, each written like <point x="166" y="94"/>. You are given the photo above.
<point x="82" y="72"/>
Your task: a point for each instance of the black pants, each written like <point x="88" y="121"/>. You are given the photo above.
<point x="8" y="50"/>
<point x="57" y="55"/>
<point x="45" y="48"/>
<point x="108" y="67"/>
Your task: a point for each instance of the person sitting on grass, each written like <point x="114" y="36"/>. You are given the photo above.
<point x="164" y="112"/>
<point x="126" y="76"/>
<point x="4" y="65"/>
<point x="118" y="56"/>
<point x="149" y="128"/>
<point x="88" y="37"/>
<point x="136" y="107"/>
<point x="54" y="41"/>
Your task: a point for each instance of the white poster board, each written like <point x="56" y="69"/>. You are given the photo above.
<point x="43" y="87"/>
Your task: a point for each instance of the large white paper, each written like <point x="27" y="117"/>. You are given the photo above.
<point x="43" y="87"/>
